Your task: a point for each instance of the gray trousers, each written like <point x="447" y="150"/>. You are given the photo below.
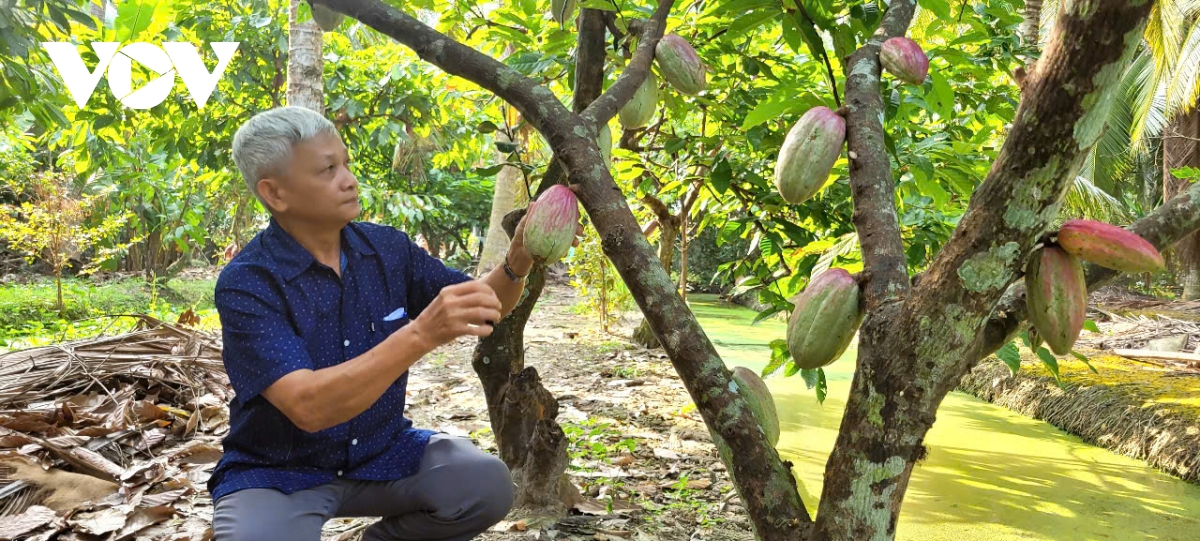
<point x="458" y="493"/>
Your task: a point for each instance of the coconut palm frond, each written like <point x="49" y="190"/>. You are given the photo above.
<point x="1148" y="99"/>
<point x="1087" y="200"/>
<point x="845" y="245"/>
<point x="1184" y="87"/>
<point x="1113" y="152"/>
<point x="1049" y="16"/>
<point x="1163" y="37"/>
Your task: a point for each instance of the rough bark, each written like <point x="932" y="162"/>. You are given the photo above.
<point x="1031" y="21"/>
<point x="901" y="378"/>
<point x="871" y="182"/>
<point x="305" y="69"/>
<point x="504" y="200"/>
<point x="1181" y="148"/>
<point x="668" y="225"/>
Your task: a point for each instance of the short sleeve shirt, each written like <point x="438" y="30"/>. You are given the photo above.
<point x="281" y="310"/>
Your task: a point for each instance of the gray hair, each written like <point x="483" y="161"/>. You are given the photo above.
<point x="264" y="143"/>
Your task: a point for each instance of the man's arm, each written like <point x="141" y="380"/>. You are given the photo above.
<point x="318" y="399"/>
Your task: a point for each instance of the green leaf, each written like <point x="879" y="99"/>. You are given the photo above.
<point x="602" y="5"/>
<point x="489" y="171"/>
<point x="822" y="386"/>
<point x="1011" y="356"/>
<point x="135" y="16"/>
<point x="487" y="126"/>
<point x="940" y="98"/>
<point x="1051" y="364"/>
<point x="930" y="187"/>
<point x="1090" y="325"/>
<point x="767" y="313"/>
<point x="941" y="8"/>
<point x="810" y="377"/>
<point x="785" y="99"/>
<point x="792" y="369"/>
<point x="1085" y="360"/>
<point x="1024" y="336"/>
<point x="808" y="31"/>
<point x="721" y="175"/>
<point x="779" y="355"/>
<point x="505" y="147"/>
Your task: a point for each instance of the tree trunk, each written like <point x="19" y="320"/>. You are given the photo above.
<point x="305" y="70"/>
<point x="668" y="232"/>
<point x="1181" y="148"/>
<point x="1030" y="23"/>
<point x="504" y="200"/>
<point x="522" y="412"/>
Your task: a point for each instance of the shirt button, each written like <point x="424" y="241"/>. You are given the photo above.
<point x="354" y="441"/>
<point x="346" y="343"/>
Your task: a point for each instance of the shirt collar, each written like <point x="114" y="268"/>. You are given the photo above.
<point x="290" y="258"/>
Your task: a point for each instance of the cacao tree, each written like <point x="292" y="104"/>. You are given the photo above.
<point x="964" y="305"/>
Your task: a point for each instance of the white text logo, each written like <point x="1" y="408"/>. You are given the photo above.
<point x="181" y="57"/>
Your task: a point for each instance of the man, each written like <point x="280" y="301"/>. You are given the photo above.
<point x="321" y="318"/>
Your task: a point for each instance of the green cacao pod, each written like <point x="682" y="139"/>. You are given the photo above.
<point x="903" y="58"/>
<point x="326" y="18"/>
<point x="604" y="140"/>
<point x="639" y="111"/>
<point x="754" y="391"/>
<point x="826" y="316"/>
<point x="563" y="11"/>
<point x="1057" y="297"/>
<point x="1109" y="246"/>
<point x="680" y="65"/>
<point x="808" y="153"/>
<point x="550" y="224"/>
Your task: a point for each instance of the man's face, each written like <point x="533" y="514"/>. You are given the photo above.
<point x="317" y="185"/>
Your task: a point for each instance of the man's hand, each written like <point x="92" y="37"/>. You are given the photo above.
<point x="459" y="310"/>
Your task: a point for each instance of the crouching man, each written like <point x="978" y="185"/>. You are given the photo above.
<point x="321" y="318"/>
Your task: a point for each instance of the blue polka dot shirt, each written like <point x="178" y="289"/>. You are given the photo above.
<point x="282" y="311"/>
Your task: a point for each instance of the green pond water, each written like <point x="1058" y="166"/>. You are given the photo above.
<point x="991" y="474"/>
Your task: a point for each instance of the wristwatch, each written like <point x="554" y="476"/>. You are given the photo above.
<point x="508" y="271"/>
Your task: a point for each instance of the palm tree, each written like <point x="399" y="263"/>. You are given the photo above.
<point x="305" y="70"/>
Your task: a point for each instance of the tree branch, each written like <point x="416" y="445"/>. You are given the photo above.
<point x="589" y="59"/>
<point x="606" y="106"/>
<point x="536" y="103"/>
<point x="1174" y="220"/>
<point x="871" y="182"/>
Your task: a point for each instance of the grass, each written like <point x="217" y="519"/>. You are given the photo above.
<point x="1145" y="384"/>
<point x="28" y="316"/>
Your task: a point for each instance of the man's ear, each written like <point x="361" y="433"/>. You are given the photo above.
<point x="269" y="189"/>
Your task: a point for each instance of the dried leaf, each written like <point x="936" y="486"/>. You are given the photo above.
<point x="145" y="473"/>
<point x="162" y="498"/>
<point x="143" y="518"/>
<point x="198" y="453"/>
<point x="33" y="518"/>
<point x="99" y="522"/>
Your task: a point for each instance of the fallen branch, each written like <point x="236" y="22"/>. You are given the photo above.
<point x="1187" y="358"/>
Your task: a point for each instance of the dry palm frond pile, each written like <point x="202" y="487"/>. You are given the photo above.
<point x="113" y="437"/>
